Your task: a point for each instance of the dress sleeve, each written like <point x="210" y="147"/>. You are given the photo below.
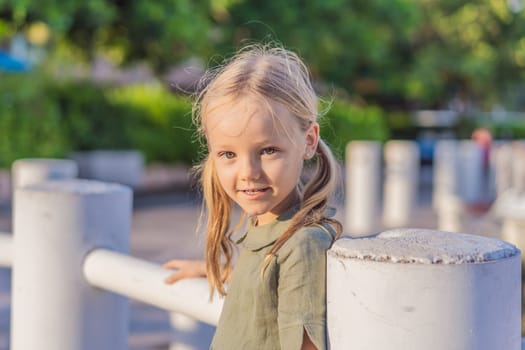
<point x="302" y="289"/>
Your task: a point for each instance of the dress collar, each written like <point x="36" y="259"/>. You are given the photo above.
<point x="259" y="237"/>
<point x="262" y="236"/>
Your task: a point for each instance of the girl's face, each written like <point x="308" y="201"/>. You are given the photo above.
<point x="259" y="160"/>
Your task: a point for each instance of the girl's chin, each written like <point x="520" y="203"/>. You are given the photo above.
<point x="261" y="215"/>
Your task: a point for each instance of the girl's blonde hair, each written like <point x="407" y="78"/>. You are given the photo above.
<point x="272" y="74"/>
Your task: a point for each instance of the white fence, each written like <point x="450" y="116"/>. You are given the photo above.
<point x="403" y="289"/>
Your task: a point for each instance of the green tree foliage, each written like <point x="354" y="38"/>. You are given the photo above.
<point x="359" y="45"/>
<point x="416" y="53"/>
<point x="345" y="122"/>
<point x="160" y="31"/>
<point x="30" y="122"/>
<point x="471" y="49"/>
<point x="47" y="118"/>
<point x="390" y="52"/>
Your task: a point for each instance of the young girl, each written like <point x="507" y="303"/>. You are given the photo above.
<point x="258" y="115"/>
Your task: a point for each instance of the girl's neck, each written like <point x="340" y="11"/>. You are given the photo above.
<point x="291" y="200"/>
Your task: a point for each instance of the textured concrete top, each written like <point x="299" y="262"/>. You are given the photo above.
<point x="77" y="186"/>
<point x="421" y="246"/>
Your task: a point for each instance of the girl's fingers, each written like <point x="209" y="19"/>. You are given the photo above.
<point x="177" y="275"/>
<point x="174" y="277"/>
<point x="184" y="269"/>
<point x="172" y="264"/>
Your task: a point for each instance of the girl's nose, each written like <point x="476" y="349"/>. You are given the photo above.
<point x="250" y="169"/>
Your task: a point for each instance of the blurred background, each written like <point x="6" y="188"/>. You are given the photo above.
<point x="101" y="74"/>
<point x="81" y="77"/>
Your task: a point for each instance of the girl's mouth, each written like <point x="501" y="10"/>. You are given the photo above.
<point x="254" y="191"/>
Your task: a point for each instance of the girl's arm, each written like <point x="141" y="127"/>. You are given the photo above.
<point x="185" y="269"/>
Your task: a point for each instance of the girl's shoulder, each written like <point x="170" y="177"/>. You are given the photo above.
<point x="309" y="240"/>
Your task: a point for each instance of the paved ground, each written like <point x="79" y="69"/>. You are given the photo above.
<point x="164" y="225"/>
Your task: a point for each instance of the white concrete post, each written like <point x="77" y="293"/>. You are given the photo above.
<point x="121" y="166"/>
<point x="471" y="173"/>
<point x="412" y="289"/>
<point x="501" y="159"/>
<point x="450" y="213"/>
<point x="510" y="207"/>
<point x="518" y="171"/>
<point x="401" y="182"/>
<point x="446" y="163"/>
<point x="30" y="171"/>
<point x="363" y="173"/>
<point x="56" y="224"/>
<point x="445" y="196"/>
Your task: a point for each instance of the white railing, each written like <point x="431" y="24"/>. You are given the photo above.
<point x="139" y="280"/>
<point x="143" y="281"/>
<point x="62" y="229"/>
<point x="405" y="289"/>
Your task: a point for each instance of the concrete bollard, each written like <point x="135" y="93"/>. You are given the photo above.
<point x="445" y="170"/>
<point x="30" y="171"/>
<point x="401" y="182"/>
<point x="510" y="208"/>
<point x="501" y="161"/>
<point x="450" y="209"/>
<point x="56" y="224"/>
<point x="121" y="166"/>
<point x="471" y="171"/>
<point x="518" y="170"/>
<point x="445" y="196"/>
<point x="363" y="164"/>
<point x="25" y="172"/>
<point x="412" y="289"/>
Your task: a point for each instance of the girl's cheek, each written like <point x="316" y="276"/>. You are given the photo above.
<point x="225" y="173"/>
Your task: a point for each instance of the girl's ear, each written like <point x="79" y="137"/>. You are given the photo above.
<point x="312" y="139"/>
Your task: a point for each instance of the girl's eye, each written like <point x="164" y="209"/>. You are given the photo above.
<point x="269" y="150"/>
<point x="227" y="155"/>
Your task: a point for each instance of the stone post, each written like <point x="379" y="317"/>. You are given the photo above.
<point x="409" y="289"/>
<point x="30" y="171"/>
<point x="446" y="199"/>
<point x="401" y="182"/>
<point x="56" y="224"/>
<point x="363" y="174"/>
<point x="471" y="172"/>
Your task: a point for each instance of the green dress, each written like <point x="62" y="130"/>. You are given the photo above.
<point x="271" y="311"/>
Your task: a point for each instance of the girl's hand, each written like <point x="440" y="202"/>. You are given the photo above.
<point x="185" y="269"/>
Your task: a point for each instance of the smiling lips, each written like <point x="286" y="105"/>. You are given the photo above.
<point x="255" y="192"/>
